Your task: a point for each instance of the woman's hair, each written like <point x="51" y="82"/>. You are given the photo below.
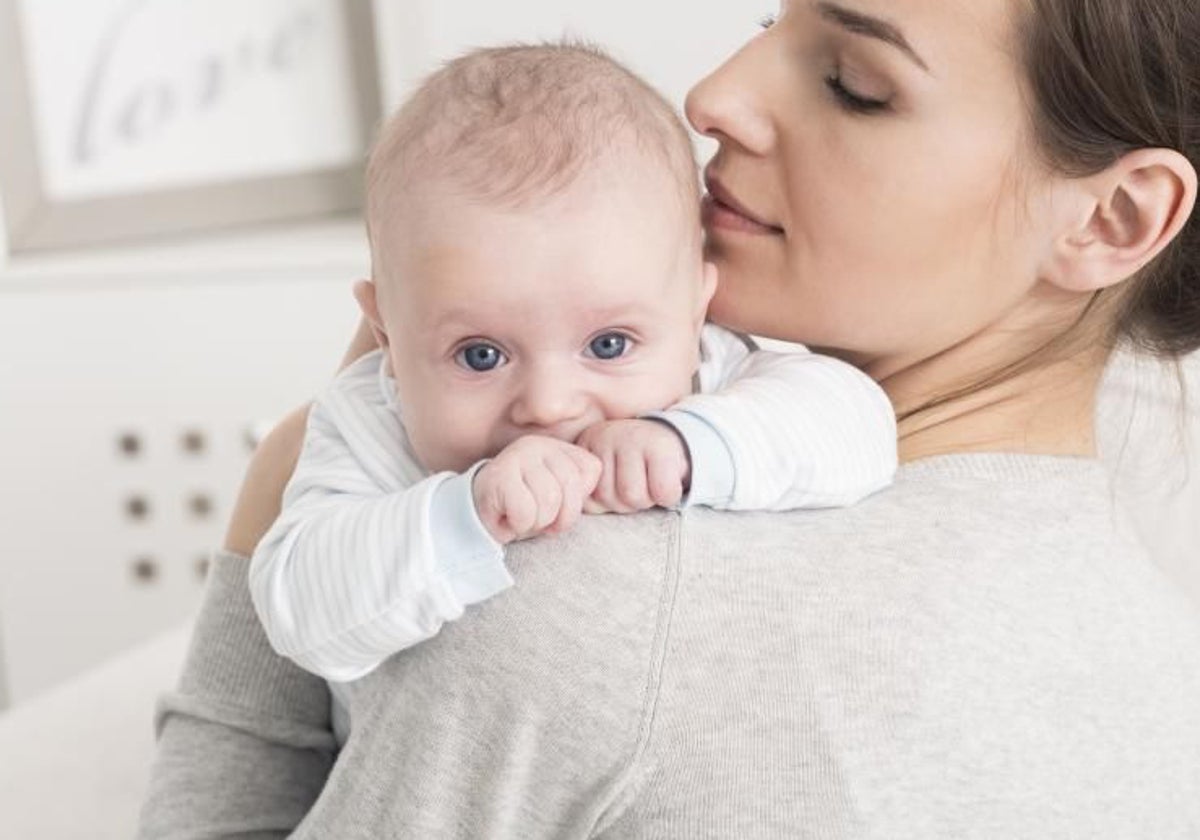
<point x="1105" y="78"/>
<point x="1108" y="77"/>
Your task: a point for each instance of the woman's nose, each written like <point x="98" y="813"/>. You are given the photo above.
<point x="730" y="104"/>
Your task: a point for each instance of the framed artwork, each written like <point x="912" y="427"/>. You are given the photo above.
<point x="122" y="119"/>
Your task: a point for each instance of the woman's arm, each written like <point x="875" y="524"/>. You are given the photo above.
<point x="244" y="744"/>
<point x="257" y="504"/>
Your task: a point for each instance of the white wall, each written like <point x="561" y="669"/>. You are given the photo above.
<point x="670" y="42"/>
<point x="3" y="237"/>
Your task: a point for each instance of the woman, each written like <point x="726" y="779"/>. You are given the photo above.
<point x="973" y="202"/>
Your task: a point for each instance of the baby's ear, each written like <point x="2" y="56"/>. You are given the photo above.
<point x="368" y="302"/>
<point x="708" y="288"/>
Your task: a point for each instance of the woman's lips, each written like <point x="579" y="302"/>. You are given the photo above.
<point x="721" y="210"/>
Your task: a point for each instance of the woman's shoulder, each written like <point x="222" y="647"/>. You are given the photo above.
<point x="994" y="516"/>
<point x="988" y="503"/>
<point x="970" y="543"/>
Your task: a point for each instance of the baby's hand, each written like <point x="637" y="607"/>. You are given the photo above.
<point x="536" y="484"/>
<point x="645" y="463"/>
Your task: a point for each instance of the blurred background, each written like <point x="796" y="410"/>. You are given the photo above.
<point x="178" y="191"/>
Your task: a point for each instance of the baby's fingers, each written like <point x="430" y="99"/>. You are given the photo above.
<point x="518" y="507"/>
<point x="574" y="487"/>
<point x="587" y="465"/>
<point x="592" y="506"/>
<point x="665" y="472"/>
<point x="630" y="483"/>
<point x="547" y="495"/>
<point x="604" y="496"/>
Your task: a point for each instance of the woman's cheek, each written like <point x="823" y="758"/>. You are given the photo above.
<point x="752" y="292"/>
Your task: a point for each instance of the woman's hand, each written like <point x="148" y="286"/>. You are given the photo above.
<point x="272" y="464"/>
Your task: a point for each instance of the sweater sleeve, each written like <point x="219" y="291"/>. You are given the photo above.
<point x="244" y="744"/>
<point x="777" y="431"/>
<point x="360" y="564"/>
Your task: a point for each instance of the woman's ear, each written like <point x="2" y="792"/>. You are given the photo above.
<point x="366" y="293"/>
<point x="1132" y="211"/>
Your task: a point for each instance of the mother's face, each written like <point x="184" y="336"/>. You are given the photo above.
<point x="875" y="143"/>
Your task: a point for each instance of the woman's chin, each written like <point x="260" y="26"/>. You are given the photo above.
<point x="736" y="309"/>
<point x="756" y="316"/>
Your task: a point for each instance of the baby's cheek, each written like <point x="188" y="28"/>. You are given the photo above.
<point x="656" y="394"/>
<point x="451" y="442"/>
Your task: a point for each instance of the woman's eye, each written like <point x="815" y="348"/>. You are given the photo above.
<point x="480" y="357"/>
<point x="853" y="101"/>
<point x="609" y="346"/>
<point x="766" y="21"/>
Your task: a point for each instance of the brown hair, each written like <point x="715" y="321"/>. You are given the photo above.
<point x="1108" y="77"/>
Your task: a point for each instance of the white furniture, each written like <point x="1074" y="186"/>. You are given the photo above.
<point x="74" y="763"/>
<point x="186" y="348"/>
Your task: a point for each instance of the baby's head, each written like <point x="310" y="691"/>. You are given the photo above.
<point x="533" y="215"/>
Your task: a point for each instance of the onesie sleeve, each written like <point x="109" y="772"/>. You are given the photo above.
<point x="783" y="430"/>
<point x="369" y="556"/>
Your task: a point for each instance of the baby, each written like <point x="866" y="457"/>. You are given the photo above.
<point x="538" y="295"/>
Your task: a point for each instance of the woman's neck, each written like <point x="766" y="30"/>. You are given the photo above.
<point x="1048" y="411"/>
<point x="988" y="394"/>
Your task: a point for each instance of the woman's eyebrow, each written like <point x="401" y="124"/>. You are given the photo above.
<point x="871" y="27"/>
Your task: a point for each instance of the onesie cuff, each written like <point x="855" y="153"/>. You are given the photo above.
<point x="470" y="560"/>
<point x="713" y="474"/>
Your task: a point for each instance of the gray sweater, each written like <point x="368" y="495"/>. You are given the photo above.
<point x="980" y="651"/>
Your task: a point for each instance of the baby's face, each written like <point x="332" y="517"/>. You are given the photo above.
<point x="540" y="321"/>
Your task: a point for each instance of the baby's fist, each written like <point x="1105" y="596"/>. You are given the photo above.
<point x="536" y="484"/>
<point x="644" y="464"/>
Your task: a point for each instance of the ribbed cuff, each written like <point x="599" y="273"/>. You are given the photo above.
<point x="714" y="476"/>
<point x="469" y="559"/>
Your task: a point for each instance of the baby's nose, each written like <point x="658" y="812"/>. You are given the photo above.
<point x="549" y="403"/>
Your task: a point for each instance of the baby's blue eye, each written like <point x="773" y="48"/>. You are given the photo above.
<point x="609" y="346"/>
<point x="480" y="357"/>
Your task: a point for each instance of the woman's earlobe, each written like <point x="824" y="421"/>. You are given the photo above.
<point x="1141" y="204"/>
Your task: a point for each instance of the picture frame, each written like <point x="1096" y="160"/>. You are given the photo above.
<point x="157" y="117"/>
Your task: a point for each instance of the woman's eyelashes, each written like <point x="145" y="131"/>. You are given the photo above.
<point x="480" y="356"/>
<point x="852" y="101"/>
<point x="845" y="96"/>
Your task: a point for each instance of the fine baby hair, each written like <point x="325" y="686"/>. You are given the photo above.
<point x="512" y="125"/>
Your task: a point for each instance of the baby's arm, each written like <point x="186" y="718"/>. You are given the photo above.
<point x="777" y="431"/>
<point x="363" y="562"/>
<point x="770" y="431"/>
